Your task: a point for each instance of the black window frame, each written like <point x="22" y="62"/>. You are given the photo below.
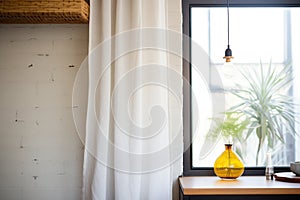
<point x="187" y="5"/>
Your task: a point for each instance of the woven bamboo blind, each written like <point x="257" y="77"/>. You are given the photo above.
<point x="43" y="11"/>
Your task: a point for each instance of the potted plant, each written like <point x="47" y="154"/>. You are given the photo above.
<point x="270" y="112"/>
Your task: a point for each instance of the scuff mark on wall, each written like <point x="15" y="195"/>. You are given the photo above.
<point x="21" y="143"/>
<point x="35" y="161"/>
<point x="52" y="77"/>
<point x="42" y="54"/>
<point x="17" y="118"/>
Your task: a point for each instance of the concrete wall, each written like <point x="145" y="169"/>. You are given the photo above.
<point x="41" y="154"/>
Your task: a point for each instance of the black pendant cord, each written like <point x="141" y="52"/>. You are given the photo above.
<point x="228" y="22"/>
<point x="228" y="52"/>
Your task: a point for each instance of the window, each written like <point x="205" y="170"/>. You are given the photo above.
<point x="260" y="32"/>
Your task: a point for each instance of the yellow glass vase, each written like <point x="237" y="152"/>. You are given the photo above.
<point x="228" y="165"/>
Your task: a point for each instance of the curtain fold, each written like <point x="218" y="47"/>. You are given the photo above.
<point x="133" y="141"/>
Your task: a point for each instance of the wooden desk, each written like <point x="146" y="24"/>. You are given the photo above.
<point x="254" y="187"/>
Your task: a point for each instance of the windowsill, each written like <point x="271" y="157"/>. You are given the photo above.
<point x="244" y="185"/>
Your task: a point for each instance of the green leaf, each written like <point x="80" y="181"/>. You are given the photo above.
<point x="265" y="104"/>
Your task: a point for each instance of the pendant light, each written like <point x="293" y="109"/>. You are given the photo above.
<point x="228" y="53"/>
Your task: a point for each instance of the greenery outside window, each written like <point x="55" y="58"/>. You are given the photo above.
<point x="260" y="32"/>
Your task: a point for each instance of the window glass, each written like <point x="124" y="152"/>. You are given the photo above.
<point x="258" y="36"/>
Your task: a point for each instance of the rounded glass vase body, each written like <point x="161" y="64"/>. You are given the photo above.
<point x="228" y="165"/>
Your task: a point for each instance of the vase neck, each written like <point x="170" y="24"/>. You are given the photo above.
<point x="228" y="146"/>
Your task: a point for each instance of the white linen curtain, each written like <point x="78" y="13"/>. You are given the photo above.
<point x="133" y="141"/>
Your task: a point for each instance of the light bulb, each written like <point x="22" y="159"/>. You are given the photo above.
<point x="228" y="70"/>
<point x="228" y="64"/>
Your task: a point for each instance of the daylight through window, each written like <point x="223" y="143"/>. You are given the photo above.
<point x="263" y="40"/>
